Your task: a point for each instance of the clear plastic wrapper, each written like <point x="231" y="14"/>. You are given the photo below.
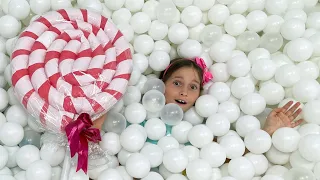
<point x="68" y="63"/>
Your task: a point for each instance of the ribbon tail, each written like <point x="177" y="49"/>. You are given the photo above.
<point x="73" y="139"/>
<point x="83" y="154"/>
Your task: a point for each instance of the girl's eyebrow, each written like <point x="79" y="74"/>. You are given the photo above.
<point x="180" y="77"/>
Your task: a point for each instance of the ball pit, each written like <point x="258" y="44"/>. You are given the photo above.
<point x="262" y="54"/>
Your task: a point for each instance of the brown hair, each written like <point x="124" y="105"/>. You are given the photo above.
<point x="178" y="63"/>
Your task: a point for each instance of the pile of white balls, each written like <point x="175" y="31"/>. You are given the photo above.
<point x="262" y="54"/>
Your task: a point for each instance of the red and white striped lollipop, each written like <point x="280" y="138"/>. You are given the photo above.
<point x="69" y="62"/>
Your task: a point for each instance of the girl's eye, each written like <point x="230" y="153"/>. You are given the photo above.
<point x="177" y="83"/>
<point x="194" y="87"/>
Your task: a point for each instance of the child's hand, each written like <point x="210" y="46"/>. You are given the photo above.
<point x="283" y="117"/>
<point x="99" y="122"/>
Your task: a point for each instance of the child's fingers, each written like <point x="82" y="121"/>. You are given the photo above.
<point x="296" y="114"/>
<point x="293" y="109"/>
<point x="286" y="106"/>
<point x="297" y="123"/>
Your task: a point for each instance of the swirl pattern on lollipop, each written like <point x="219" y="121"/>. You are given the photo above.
<point x="69" y="62"/>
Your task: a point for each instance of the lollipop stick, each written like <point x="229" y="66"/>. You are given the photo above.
<point x="66" y="166"/>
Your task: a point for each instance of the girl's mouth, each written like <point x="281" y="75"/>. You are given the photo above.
<point x="180" y="101"/>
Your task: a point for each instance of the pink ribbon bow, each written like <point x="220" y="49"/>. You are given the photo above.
<point x="79" y="132"/>
<point x="207" y="76"/>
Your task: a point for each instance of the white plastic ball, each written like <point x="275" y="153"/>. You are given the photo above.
<point x="263" y="69"/>
<point x="199" y="169"/>
<point x="127" y="31"/>
<point x="258" y="54"/>
<point x="155" y="128"/>
<point x="110" y="174"/>
<point x="242" y="86"/>
<point x="180" y="131"/>
<point x="277" y="157"/>
<point x="297" y="161"/>
<point x="233" y="146"/>
<point x="259" y="161"/>
<point x="135" y="113"/>
<point x="238" y="6"/>
<point x="248" y="41"/>
<point x="271" y="41"/>
<point x="19" y="9"/>
<point x="149" y="8"/>
<point x="26" y="155"/>
<point x="252" y="104"/>
<point x="235" y="24"/>
<point x="214" y="154"/>
<point x="274" y="24"/>
<point x="287" y="75"/>
<point x="292" y="29"/>
<point x="121" y="15"/>
<point x="206" y="105"/>
<point x="218" y="124"/>
<point x="54" y="156"/>
<point x="194" y="32"/>
<point x="153" y="176"/>
<point x="191" y="152"/>
<point x="299" y="50"/>
<point x="218" y="14"/>
<point x="276" y="7"/>
<point x="141" y="161"/>
<point x="189" y="49"/>
<point x="286" y="139"/>
<point x="200" y="135"/>
<point x="273" y="93"/>
<point x="313" y="19"/>
<point x="162" y="45"/>
<point x="220" y="72"/>
<point x="257" y="20"/>
<point x="39" y="169"/>
<point x="192" y="116"/>
<point x="296" y="13"/>
<point x="140" y="22"/>
<point x="114" y="5"/>
<point x="167" y="143"/>
<point x="132" y="139"/>
<point x="311" y="112"/>
<point x="245" y="124"/>
<point x="11" y="133"/>
<point x="178" y="33"/>
<point x="241" y="168"/>
<point x="9" y="26"/>
<point x="230" y="40"/>
<point x="154" y="153"/>
<point x="159" y="60"/>
<point x="309" y="147"/>
<point x="220" y="91"/>
<point x="229" y="109"/>
<point x="220" y="52"/>
<point x="306" y="90"/>
<point x="258" y="141"/>
<point x="4" y="157"/>
<point x="175" y="160"/>
<point x="134" y="5"/>
<point x="143" y="44"/>
<point x="60" y="4"/>
<point x="191" y="16"/>
<point x="238" y="66"/>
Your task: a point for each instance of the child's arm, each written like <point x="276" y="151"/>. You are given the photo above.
<point x="99" y="122"/>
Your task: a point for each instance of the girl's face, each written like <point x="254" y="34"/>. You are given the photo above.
<point x="183" y="88"/>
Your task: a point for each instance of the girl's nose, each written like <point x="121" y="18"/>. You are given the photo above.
<point x="184" y="91"/>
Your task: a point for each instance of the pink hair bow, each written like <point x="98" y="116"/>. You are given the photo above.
<point x="207" y="76"/>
